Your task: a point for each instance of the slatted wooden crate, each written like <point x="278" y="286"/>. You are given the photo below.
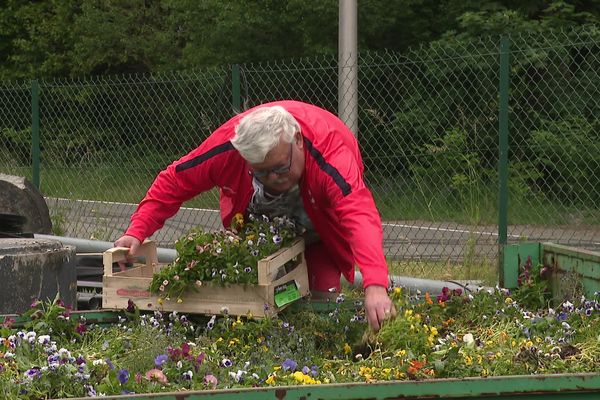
<point x="279" y="284"/>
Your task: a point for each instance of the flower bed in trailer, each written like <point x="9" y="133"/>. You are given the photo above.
<point x="479" y="333"/>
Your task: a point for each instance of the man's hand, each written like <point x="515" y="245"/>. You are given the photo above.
<point x="133" y="244"/>
<point x="378" y="306"/>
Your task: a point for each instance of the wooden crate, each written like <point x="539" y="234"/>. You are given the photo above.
<point x="277" y="287"/>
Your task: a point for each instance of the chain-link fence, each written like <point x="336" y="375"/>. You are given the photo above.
<point x="428" y="126"/>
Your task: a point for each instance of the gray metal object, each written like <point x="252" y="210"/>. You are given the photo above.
<point x="35" y="269"/>
<point x="18" y="197"/>
<point x="348" y="64"/>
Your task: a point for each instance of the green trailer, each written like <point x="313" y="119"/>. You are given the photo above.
<point x="579" y="386"/>
<point x="573" y="272"/>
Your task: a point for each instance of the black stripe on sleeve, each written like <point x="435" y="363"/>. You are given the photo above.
<point x="215" y="151"/>
<point x="328" y="168"/>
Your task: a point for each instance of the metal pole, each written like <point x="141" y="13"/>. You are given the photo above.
<point x="348" y="65"/>
<point x="35" y="133"/>
<point x="503" y="158"/>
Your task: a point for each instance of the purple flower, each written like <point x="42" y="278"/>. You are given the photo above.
<point x="289" y="365"/>
<point x="226" y="362"/>
<point x="130" y="306"/>
<point x="198" y="361"/>
<point x="160" y="360"/>
<point x="33" y="373"/>
<point x="305" y="370"/>
<point x="562" y="316"/>
<point x="123" y="376"/>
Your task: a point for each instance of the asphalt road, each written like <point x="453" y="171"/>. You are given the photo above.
<point x="414" y="240"/>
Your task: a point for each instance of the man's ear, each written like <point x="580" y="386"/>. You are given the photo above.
<point x="299" y="139"/>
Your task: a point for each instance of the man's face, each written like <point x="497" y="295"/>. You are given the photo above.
<point x="283" y="166"/>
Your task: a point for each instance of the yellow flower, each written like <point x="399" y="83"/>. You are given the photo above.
<point x="179" y="300"/>
<point x="400" y="353"/>
<point x="276" y="367"/>
<point x="160" y="301"/>
<point x="508" y="300"/>
<point x="347" y="348"/>
<point x="238" y="218"/>
<point x="468" y="360"/>
<point x="397" y="290"/>
<point x="434" y="331"/>
<point x="303" y="378"/>
<point x="270" y="380"/>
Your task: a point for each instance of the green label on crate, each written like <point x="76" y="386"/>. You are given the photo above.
<point x="286" y="293"/>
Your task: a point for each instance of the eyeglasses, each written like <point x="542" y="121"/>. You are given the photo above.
<point x="263" y="173"/>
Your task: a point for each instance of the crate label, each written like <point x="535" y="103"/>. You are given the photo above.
<point x="286" y="293"/>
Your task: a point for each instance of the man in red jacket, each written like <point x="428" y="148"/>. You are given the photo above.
<point x="284" y="158"/>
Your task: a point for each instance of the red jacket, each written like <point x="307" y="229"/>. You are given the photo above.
<point x="335" y="197"/>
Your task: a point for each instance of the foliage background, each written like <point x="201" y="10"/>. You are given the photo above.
<point x="127" y="86"/>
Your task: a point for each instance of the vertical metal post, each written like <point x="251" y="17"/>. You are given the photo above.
<point x="236" y="101"/>
<point x="348" y="64"/>
<point x="503" y="156"/>
<point x="35" y="132"/>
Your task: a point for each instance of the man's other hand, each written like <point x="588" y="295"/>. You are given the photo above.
<point x="378" y="306"/>
<point x="133" y="244"/>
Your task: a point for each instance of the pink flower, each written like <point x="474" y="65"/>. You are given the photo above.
<point x="211" y="381"/>
<point x="156" y="375"/>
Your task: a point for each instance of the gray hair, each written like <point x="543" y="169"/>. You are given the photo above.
<point x="260" y="131"/>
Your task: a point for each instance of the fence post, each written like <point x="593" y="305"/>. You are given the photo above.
<point x="503" y="159"/>
<point x="35" y="132"/>
<point x="235" y="89"/>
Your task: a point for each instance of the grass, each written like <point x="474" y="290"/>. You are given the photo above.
<point x="484" y="271"/>
<point x="476" y="208"/>
<point x="101" y="183"/>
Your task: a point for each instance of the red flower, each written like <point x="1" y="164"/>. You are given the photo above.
<point x="81" y="329"/>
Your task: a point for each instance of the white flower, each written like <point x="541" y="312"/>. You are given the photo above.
<point x="64" y="352"/>
<point x="43" y="339"/>
<point x="98" y="362"/>
<point x="237" y="376"/>
<point x="469" y="340"/>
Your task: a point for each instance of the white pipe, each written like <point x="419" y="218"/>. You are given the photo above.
<point x="434" y="287"/>
<point x="98" y="246"/>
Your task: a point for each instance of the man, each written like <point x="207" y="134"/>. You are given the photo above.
<point x="284" y="158"/>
